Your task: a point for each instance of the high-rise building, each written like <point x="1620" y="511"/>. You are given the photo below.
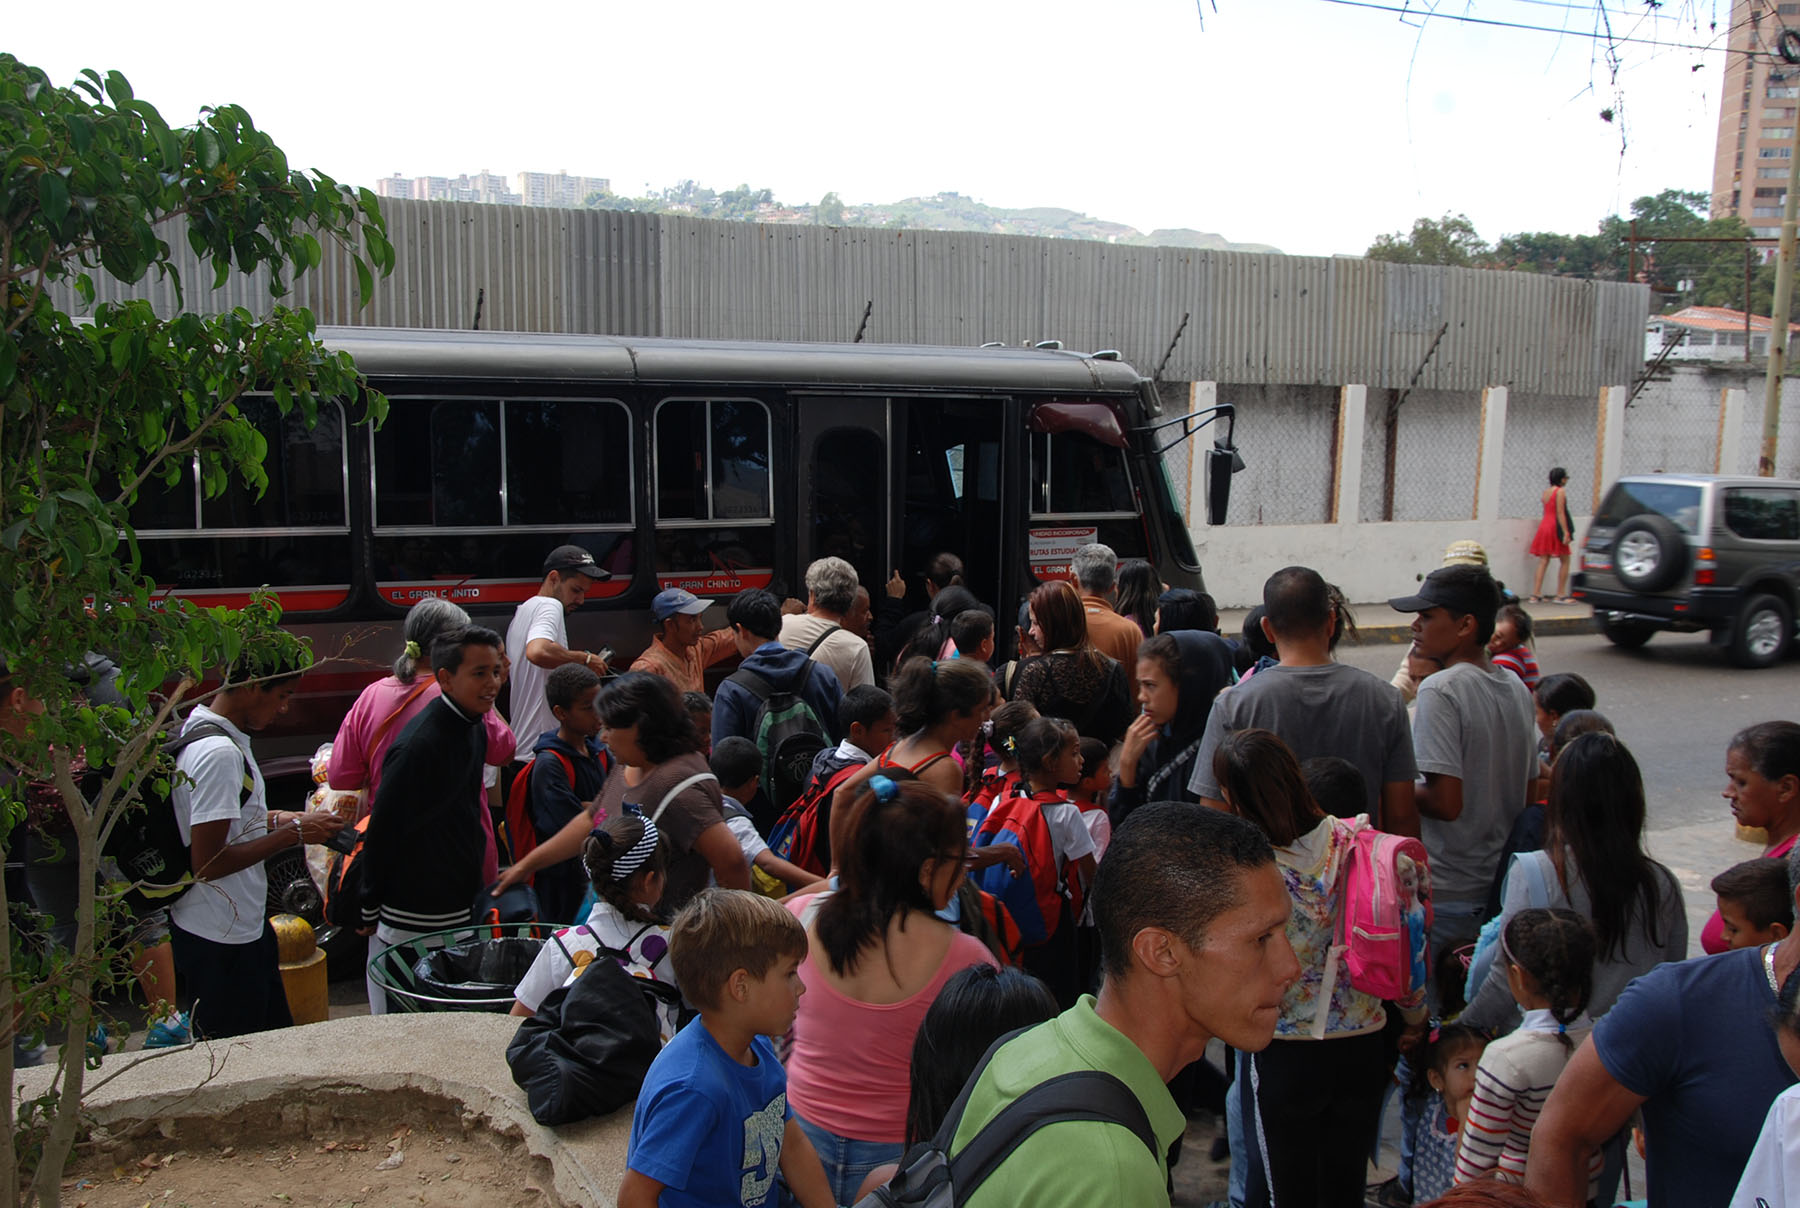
<point x="559" y="188"/>
<point x="394" y="186"/>
<point x="1757" y="112"/>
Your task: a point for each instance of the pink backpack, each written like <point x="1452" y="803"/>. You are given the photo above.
<point x="1385" y="917"/>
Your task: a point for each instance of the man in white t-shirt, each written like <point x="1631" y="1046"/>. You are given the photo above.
<point x="537" y="640"/>
<point x="225" y="951"/>
<point x="823" y="631"/>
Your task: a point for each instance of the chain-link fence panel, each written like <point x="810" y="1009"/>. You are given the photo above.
<point x="1437" y="447"/>
<point x="1287" y="436"/>
<point x="1544" y="432"/>
<point x="1673" y="425"/>
<point x="1787" y="445"/>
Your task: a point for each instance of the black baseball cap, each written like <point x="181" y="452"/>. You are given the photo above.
<point x="1462" y="590"/>
<point x="566" y="558"/>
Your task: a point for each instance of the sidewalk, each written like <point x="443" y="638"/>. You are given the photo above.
<point x="1377" y="624"/>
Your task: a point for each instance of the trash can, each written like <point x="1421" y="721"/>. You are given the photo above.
<point x="462" y="969"/>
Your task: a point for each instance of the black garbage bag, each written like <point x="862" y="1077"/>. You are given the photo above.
<point x="476" y="970"/>
<point x="586" y="1051"/>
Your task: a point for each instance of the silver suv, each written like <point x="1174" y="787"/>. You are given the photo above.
<point x="1692" y="552"/>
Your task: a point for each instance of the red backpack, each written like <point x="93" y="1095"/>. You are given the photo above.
<point x="1038" y="899"/>
<point x="802" y="835"/>
<point x="521" y="832"/>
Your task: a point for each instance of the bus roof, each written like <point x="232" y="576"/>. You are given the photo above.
<point x="506" y="355"/>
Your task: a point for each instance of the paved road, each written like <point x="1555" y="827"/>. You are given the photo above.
<point x="1676" y="702"/>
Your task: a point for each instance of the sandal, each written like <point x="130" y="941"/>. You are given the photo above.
<point x="1565" y="600"/>
<point x="1534" y="599"/>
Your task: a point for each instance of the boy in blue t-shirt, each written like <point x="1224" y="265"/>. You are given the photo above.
<point x="712" y="1124"/>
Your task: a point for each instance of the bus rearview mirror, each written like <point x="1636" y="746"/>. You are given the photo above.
<point x="1222" y="461"/>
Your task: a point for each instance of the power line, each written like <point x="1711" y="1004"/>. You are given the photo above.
<point x="1541" y="29"/>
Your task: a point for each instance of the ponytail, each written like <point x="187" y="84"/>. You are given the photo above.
<point x="1555" y="948"/>
<point x="424" y="622"/>
<point x="927" y="691"/>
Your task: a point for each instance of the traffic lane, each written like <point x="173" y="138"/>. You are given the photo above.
<point x="1676" y="702"/>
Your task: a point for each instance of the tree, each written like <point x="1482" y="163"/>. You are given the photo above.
<point x="92" y="178"/>
<point x="830" y="211"/>
<point x="1451" y="240"/>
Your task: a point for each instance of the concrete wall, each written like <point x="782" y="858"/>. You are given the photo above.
<point x="1470" y="469"/>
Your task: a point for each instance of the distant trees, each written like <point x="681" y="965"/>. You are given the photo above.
<point x="1682" y="274"/>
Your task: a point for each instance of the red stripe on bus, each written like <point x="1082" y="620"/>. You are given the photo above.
<point x="723" y="583"/>
<point x="404" y="595"/>
<point x="292" y="600"/>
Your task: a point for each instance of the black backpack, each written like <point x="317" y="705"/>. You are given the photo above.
<point x="146" y="838"/>
<point x="787" y="731"/>
<point x="929" y="1178"/>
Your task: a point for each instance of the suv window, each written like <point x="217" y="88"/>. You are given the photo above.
<point x="1680" y="502"/>
<point x="1763" y="514"/>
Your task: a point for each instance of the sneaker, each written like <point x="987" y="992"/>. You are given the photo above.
<point x="1390" y="1194"/>
<point x="169" y="1033"/>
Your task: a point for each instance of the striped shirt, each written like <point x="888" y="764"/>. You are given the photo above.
<point x="1511" y="1083"/>
<point x="1521" y="662"/>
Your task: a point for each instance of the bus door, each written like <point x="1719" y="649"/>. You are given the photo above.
<point x="844" y="496"/>
<point x="950" y="461"/>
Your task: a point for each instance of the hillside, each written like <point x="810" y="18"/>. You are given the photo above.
<point x="940" y="212"/>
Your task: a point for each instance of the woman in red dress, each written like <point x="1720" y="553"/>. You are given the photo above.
<point x="1554" y="534"/>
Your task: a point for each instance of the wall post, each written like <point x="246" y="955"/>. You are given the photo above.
<point x="1731" y="431"/>
<point x="1346" y="500"/>
<point x="1201" y="395"/>
<point x="1493" y="447"/>
<point x="1609" y="440"/>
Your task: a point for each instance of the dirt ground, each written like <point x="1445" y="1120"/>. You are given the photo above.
<point x="332" y="1151"/>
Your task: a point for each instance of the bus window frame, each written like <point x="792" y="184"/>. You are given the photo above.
<point x="711" y="520"/>
<point x="285" y="530"/>
<point x="377" y="529"/>
<point x="1049" y="488"/>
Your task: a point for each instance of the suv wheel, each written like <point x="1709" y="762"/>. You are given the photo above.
<point x="1627" y="635"/>
<point x="1760" y="635"/>
<point x="1649" y="552"/>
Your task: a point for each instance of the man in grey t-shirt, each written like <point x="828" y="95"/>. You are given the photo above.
<point x="1475" y="736"/>
<point x="1317" y="707"/>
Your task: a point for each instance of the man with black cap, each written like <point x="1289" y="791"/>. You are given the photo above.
<point x="1474" y="738"/>
<point x="537" y="640"/>
<point x="681" y="652"/>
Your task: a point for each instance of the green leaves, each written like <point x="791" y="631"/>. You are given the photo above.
<point x="53" y="195"/>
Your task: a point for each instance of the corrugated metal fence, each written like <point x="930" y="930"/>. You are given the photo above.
<point x="1255" y="318"/>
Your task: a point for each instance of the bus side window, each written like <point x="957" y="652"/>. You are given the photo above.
<point x="714" y="504"/>
<point x="289" y="535"/>
<point x="437" y="463"/>
<point x="568" y="463"/>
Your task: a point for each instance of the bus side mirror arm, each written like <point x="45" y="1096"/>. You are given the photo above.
<point x="1223" y="459"/>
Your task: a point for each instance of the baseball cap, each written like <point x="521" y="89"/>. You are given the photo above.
<point x="1465" y="553"/>
<point x="1461" y="593"/>
<point x="668" y="603"/>
<point x="566" y="558"/>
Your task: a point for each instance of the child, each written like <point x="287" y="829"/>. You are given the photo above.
<point x="1550" y="966"/>
<point x="1510" y="647"/>
<point x="1444" y="1078"/>
<point x="867" y="720"/>
<point x="712" y="1124"/>
<point x="568" y="766"/>
<point x="1090" y="793"/>
<point x="738" y="765"/>
<point x="1338" y="786"/>
<point x="1555" y="697"/>
<point x="1049" y="754"/>
<point x="972" y="635"/>
<point x="1753" y="903"/>
<point x="987" y="784"/>
<point x="624" y="859"/>
<point x="699" y="707"/>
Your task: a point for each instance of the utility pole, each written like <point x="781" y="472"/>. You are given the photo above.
<point x="1778" y="313"/>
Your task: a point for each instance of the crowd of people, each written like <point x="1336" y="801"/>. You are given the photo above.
<point x="900" y="888"/>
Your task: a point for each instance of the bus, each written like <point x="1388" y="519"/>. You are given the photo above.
<point x="714" y="466"/>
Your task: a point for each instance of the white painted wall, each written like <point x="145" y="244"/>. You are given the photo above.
<point x="1370" y="561"/>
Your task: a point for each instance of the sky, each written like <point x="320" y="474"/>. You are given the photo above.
<point x="1304" y="124"/>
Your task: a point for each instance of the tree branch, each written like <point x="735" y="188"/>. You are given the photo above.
<point x="185" y="445"/>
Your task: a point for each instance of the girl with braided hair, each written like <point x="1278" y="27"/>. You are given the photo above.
<point x="624" y="860"/>
<point x="1549" y="959"/>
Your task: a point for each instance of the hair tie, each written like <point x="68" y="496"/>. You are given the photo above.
<point x="1562" y="1029"/>
<point x="1436" y="1034"/>
<point x="604" y="838"/>
<point x="883" y="788"/>
<point x="412" y="650"/>
<point x="987" y="728"/>
<point x="1010" y="745"/>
